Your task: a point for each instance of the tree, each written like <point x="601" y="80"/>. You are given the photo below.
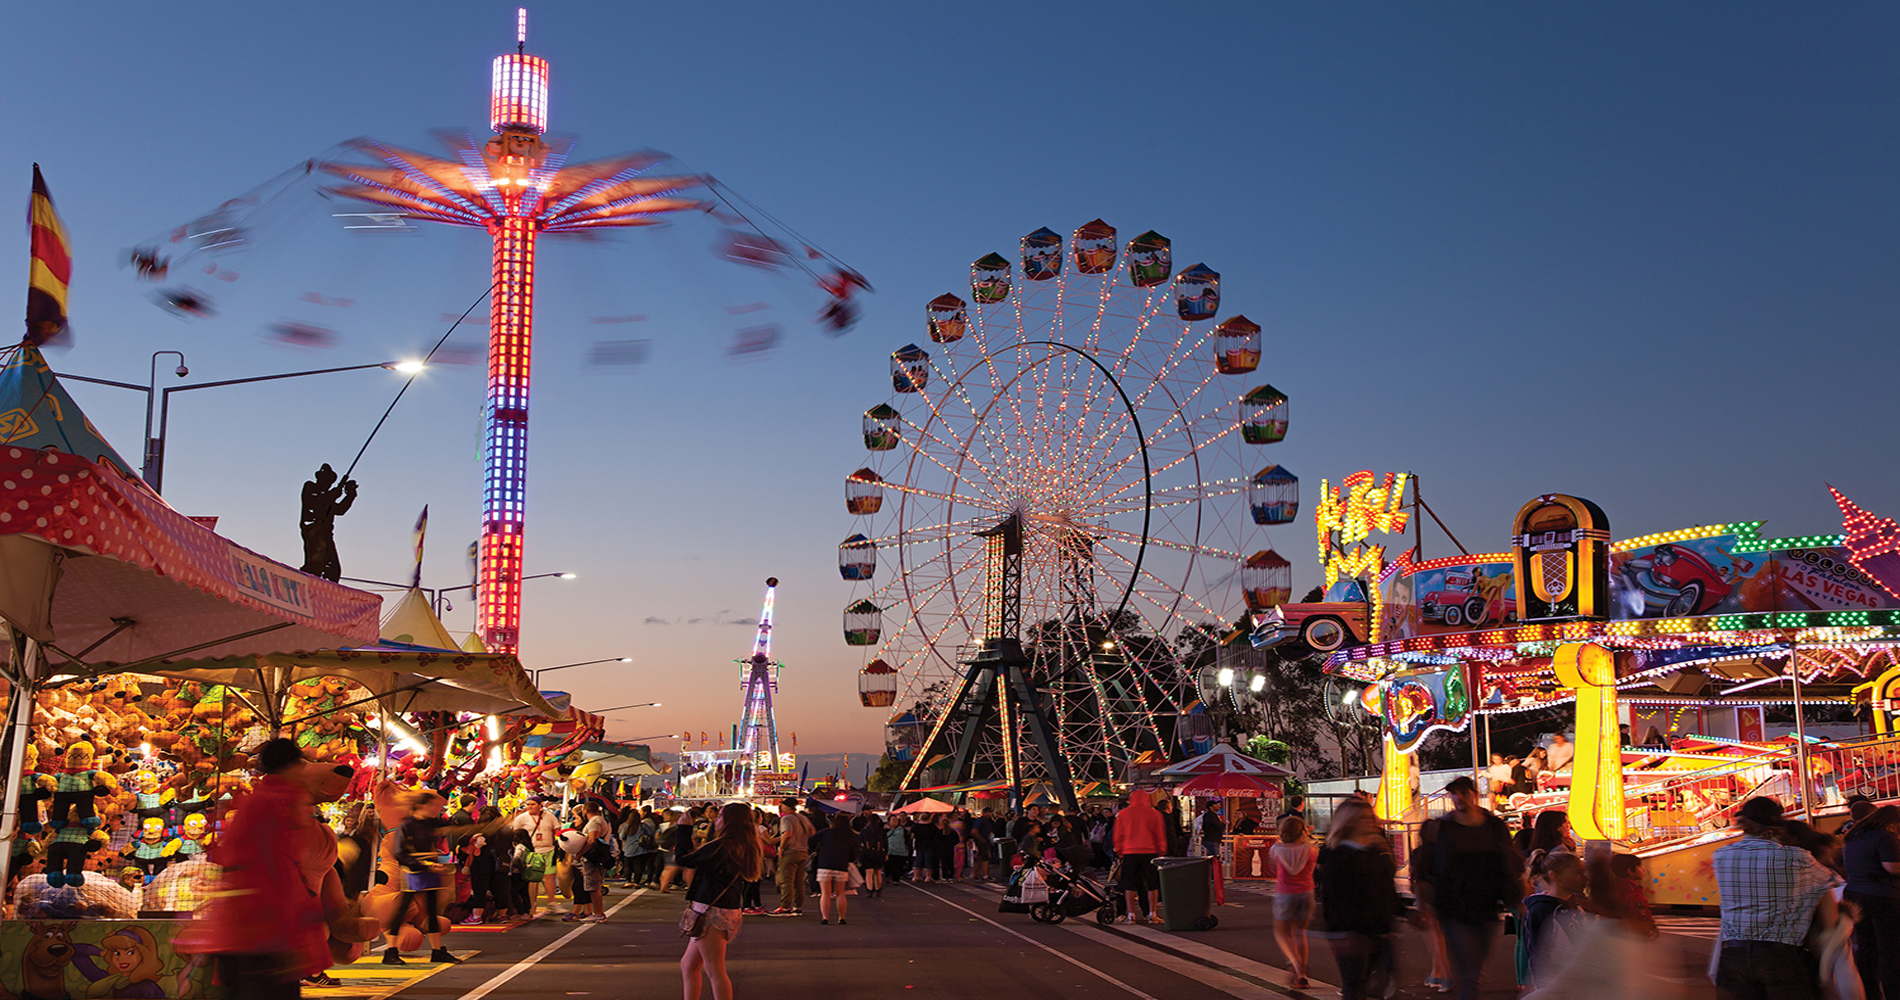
<point x="1270" y="750"/>
<point x="888" y="774"/>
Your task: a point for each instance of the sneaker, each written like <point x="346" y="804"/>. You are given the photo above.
<point x="840" y="921"/>
<point x="471" y="920"/>
<point x="822" y="921"/>
<point x="595" y="919"/>
<point x="572" y="918"/>
<point x="392" y="957"/>
<point x="782" y="912"/>
<point x="322" y="979"/>
<point x="441" y="956"/>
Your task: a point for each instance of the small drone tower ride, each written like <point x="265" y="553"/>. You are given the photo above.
<point x="758" y="729"/>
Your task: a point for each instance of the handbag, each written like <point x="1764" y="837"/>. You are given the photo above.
<point x="693" y="922"/>
<point x="856" y="876"/>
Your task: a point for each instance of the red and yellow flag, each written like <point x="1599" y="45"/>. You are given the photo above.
<point x="52" y="267"/>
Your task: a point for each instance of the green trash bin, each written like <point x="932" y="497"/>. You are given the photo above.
<point x="1187" y="893"/>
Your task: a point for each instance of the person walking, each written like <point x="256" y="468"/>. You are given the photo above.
<point x="794" y="848"/>
<point x="949" y="841"/>
<point x="734" y="855"/>
<point x="834" y="850"/>
<point x="1772" y="893"/>
<point x="1293" y="862"/>
<point x="422" y="871"/>
<point x="874" y="853"/>
<point x="676" y="841"/>
<point x="1358" y="892"/>
<point x="1872" y="858"/>
<point x="1140" y="836"/>
<point x="1213" y="829"/>
<point x="1467" y="870"/>
<point x="264" y="930"/>
<point x="1554" y="918"/>
<point x="543" y="829"/>
<point x="1169" y="810"/>
<point x="923" y="848"/>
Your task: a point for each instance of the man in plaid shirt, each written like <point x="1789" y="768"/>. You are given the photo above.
<point x="1770" y="895"/>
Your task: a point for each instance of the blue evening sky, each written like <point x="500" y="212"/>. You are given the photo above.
<point x="1643" y="253"/>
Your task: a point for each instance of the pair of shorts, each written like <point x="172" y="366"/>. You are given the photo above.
<point x="839" y="881"/>
<point x="1293" y="906"/>
<point x="721" y="919"/>
<point x="593" y="876"/>
<point x="540" y="864"/>
<point x="1138" y="873"/>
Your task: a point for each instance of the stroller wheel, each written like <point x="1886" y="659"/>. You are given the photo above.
<point x="1207" y="923"/>
<point x="1045" y="913"/>
<point x="1106" y="915"/>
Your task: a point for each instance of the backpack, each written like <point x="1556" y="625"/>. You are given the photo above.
<point x="645" y="838"/>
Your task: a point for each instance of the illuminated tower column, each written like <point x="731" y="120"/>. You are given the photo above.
<point x="518" y="113"/>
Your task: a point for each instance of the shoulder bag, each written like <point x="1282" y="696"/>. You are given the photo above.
<point x="693" y="922"/>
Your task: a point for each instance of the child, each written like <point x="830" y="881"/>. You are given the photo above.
<point x="1554" y="915"/>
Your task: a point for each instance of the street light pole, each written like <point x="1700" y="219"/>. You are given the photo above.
<point x="583" y="663"/>
<point x="158" y="401"/>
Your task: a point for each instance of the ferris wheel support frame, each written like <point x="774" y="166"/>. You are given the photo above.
<point x="1002" y="656"/>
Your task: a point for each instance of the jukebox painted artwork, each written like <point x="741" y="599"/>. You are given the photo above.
<point x="1561" y="547"/>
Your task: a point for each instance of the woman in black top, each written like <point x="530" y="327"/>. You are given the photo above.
<point x="424" y="870"/>
<point x="488" y="871"/>
<point x="833" y="851"/>
<point x="721" y="868"/>
<point x="874" y="853"/>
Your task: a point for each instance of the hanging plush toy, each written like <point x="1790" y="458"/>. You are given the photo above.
<point x="150" y="853"/>
<point x="195" y="838"/>
<point x="151" y="799"/>
<point x="75" y="790"/>
<point x="66" y="854"/>
<point x="34" y="788"/>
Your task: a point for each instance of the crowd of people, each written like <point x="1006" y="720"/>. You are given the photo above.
<point x="1803" y="912"/>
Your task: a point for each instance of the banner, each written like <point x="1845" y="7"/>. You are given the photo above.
<point x="99" y="958"/>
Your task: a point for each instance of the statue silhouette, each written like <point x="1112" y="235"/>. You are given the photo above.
<point x="323" y="502"/>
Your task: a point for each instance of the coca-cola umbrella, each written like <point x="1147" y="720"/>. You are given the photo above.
<point x="1230" y="784"/>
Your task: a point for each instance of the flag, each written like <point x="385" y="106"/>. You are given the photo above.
<point x="474" y="562"/>
<point x="702" y="739"/>
<point x="422" y="528"/>
<point x="51" y="270"/>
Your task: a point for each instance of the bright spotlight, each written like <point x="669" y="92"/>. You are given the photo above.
<point x="1226" y="676"/>
<point x="408" y="367"/>
<point x="1258" y="684"/>
<point x="569" y="576"/>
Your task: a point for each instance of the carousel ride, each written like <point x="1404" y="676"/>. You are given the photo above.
<point x="1053" y="515"/>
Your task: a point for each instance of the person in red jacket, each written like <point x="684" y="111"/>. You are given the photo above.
<point x="1140" y="837"/>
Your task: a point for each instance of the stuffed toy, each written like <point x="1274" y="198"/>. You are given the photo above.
<point x="34" y="788"/>
<point x="66" y="854"/>
<point x="194" y="838"/>
<point x="152" y="798"/>
<point x="75" y="790"/>
<point x="150" y="852"/>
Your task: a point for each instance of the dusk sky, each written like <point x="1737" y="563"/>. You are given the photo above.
<point x="1641" y="253"/>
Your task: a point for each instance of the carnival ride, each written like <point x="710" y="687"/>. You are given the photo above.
<point x="1696" y="635"/>
<point x="518" y="186"/>
<point x="762" y="768"/>
<point x="1062" y="472"/>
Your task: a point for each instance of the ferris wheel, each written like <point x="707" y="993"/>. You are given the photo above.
<point x="1099" y="411"/>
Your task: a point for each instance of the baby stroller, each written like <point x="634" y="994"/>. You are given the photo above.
<point x="1072" y="894"/>
<point x="1028" y="888"/>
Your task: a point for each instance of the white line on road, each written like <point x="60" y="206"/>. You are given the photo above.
<point x="528" y="963"/>
<point x="1066" y="958"/>
<point x="1222" y="960"/>
<point x="1179" y="966"/>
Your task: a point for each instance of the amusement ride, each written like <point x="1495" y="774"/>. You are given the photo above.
<point x="1053" y="515"/>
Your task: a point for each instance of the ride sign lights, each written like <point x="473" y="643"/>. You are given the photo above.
<point x="1344" y="522"/>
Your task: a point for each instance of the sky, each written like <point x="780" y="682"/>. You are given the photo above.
<point x="1641" y="253"/>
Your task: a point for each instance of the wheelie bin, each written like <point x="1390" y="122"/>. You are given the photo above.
<point x="1005" y="848"/>
<point x="1187" y="893"/>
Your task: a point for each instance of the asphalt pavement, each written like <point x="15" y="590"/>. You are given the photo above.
<point x="940" y="940"/>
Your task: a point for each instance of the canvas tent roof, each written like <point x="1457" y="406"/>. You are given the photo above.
<point x="1223" y="759"/>
<point x="105" y="574"/>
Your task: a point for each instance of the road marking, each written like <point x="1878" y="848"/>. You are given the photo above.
<point x="1245" y="989"/>
<point x="528" y="963"/>
<point x="1066" y="958"/>
<point x="1220" y="961"/>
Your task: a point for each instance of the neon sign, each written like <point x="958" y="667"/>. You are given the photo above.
<point x="1344" y="522"/>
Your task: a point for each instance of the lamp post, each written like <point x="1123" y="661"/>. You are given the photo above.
<point x="158" y="401"/>
<point x="583" y="663"/>
<point x="436" y="600"/>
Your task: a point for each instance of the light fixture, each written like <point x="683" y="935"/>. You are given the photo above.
<point x="1258" y="684"/>
<point x="409" y="367"/>
<point x="626" y="659"/>
<point x="1226" y="676"/>
<point x="569" y="576"/>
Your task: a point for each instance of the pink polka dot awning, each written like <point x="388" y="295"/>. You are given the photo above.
<point x="102" y="571"/>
